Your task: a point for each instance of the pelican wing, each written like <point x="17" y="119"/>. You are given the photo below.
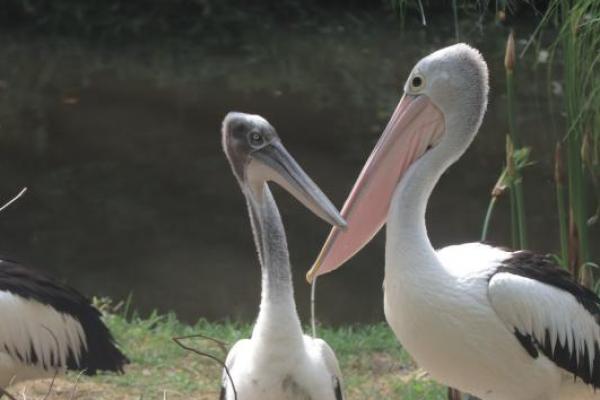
<point x="549" y="313"/>
<point x="332" y="365"/>
<point x="50" y="325"/>
<point x="226" y="388"/>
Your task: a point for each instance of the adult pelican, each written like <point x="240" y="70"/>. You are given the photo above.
<point x="48" y="328"/>
<point x="278" y="362"/>
<point x="497" y="324"/>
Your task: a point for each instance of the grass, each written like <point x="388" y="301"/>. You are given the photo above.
<point x="373" y="363"/>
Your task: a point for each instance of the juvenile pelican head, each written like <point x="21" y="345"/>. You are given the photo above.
<point x="257" y="156"/>
<point x="444" y="100"/>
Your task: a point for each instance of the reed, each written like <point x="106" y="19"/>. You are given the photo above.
<point x="559" y="181"/>
<point x="579" y="45"/>
<point x="516" y="161"/>
<point x="519" y="223"/>
<point x="517" y="158"/>
<point x="455" y="15"/>
<point x="400" y="6"/>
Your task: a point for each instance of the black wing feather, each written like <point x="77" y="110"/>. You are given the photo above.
<point x="544" y="269"/>
<point x="102" y="353"/>
<point x="338" y="390"/>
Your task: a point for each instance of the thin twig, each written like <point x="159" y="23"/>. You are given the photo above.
<point x="178" y="341"/>
<point x="51" y="385"/>
<point x="423" y="20"/>
<point x="7" y="204"/>
<point x="5" y="393"/>
<point x="53" y="337"/>
<point x="537" y="30"/>
<point x="57" y="356"/>
<point x="222" y="345"/>
<point x="74" y="391"/>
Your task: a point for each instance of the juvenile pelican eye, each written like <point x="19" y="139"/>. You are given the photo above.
<point x="256" y="139"/>
<point x="416" y="83"/>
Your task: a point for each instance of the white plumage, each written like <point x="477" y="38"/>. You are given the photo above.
<point x="540" y="310"/>
<point x="500" y="325"/>
<point x="282" y="370"/>
<point x="278" y="362"/>
<point x="48" y="328"/>
<point x="34" y="331"/>
<point x="458" y="321"/>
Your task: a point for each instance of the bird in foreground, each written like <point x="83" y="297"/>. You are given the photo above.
<point x="500" y="325"/>
<point x="278" y="362"/>
<point x="48" y="328"/>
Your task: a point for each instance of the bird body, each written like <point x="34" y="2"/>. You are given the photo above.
<point x="48" y="328"/>
<point x="500" y="325"/>
<point x="452" y="328"/>
<point x="278" y="362"/>
<point x="297" y="373"/>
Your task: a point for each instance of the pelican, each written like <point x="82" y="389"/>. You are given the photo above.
<point x="48" y="328"/>
<point x="497" y="324"/>
<point x="278" y="362"/>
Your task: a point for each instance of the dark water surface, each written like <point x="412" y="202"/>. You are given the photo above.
<point x="129" y="191"/>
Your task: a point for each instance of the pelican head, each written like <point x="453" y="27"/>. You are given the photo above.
<point x="454" y="81"/>
<point x="257" y="156"/>
<point x="445" y="97"/>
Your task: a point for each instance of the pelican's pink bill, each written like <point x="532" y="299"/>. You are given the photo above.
<point x="415" y="125"/>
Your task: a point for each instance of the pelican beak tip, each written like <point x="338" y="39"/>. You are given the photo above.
<point x="313" y="272"/>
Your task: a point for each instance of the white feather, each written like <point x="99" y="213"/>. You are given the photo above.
<point x="29" y="325"/>
<point x="281" y="372"/>
<point x="517" y="298"/>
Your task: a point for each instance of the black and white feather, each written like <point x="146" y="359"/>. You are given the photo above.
<point x="48" y="327"/>
<point x="550" y="313"/>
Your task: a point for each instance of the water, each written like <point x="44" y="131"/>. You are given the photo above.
<point x="129" y="191"/>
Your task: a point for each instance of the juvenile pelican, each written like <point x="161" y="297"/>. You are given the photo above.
<point x="278" y="362"/>
<point x="500" y="325"/>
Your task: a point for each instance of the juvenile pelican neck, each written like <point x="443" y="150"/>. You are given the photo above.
<point x="277" y="306"/>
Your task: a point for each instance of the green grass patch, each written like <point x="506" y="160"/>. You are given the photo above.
<point x="373" y="363"/>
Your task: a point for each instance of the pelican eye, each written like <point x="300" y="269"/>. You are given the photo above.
<point x="256" y="139"/>
<point x="417" y="83"/>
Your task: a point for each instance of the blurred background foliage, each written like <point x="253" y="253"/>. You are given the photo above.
<point x="110" y="112"/>
<point x="220" y="19"/>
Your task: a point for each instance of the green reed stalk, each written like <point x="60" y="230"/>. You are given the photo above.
<point x="497" y="191"/>
<point x="514" y="218"/>
<point x="579" y="42"/>
<point x="488" y="217"/>
<point x="516" y="161"/>
<point x="455" y="13"/>
<point x="574" y="46"/>
<point x="559" y="180"/>
<point x="518" y="220"/>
